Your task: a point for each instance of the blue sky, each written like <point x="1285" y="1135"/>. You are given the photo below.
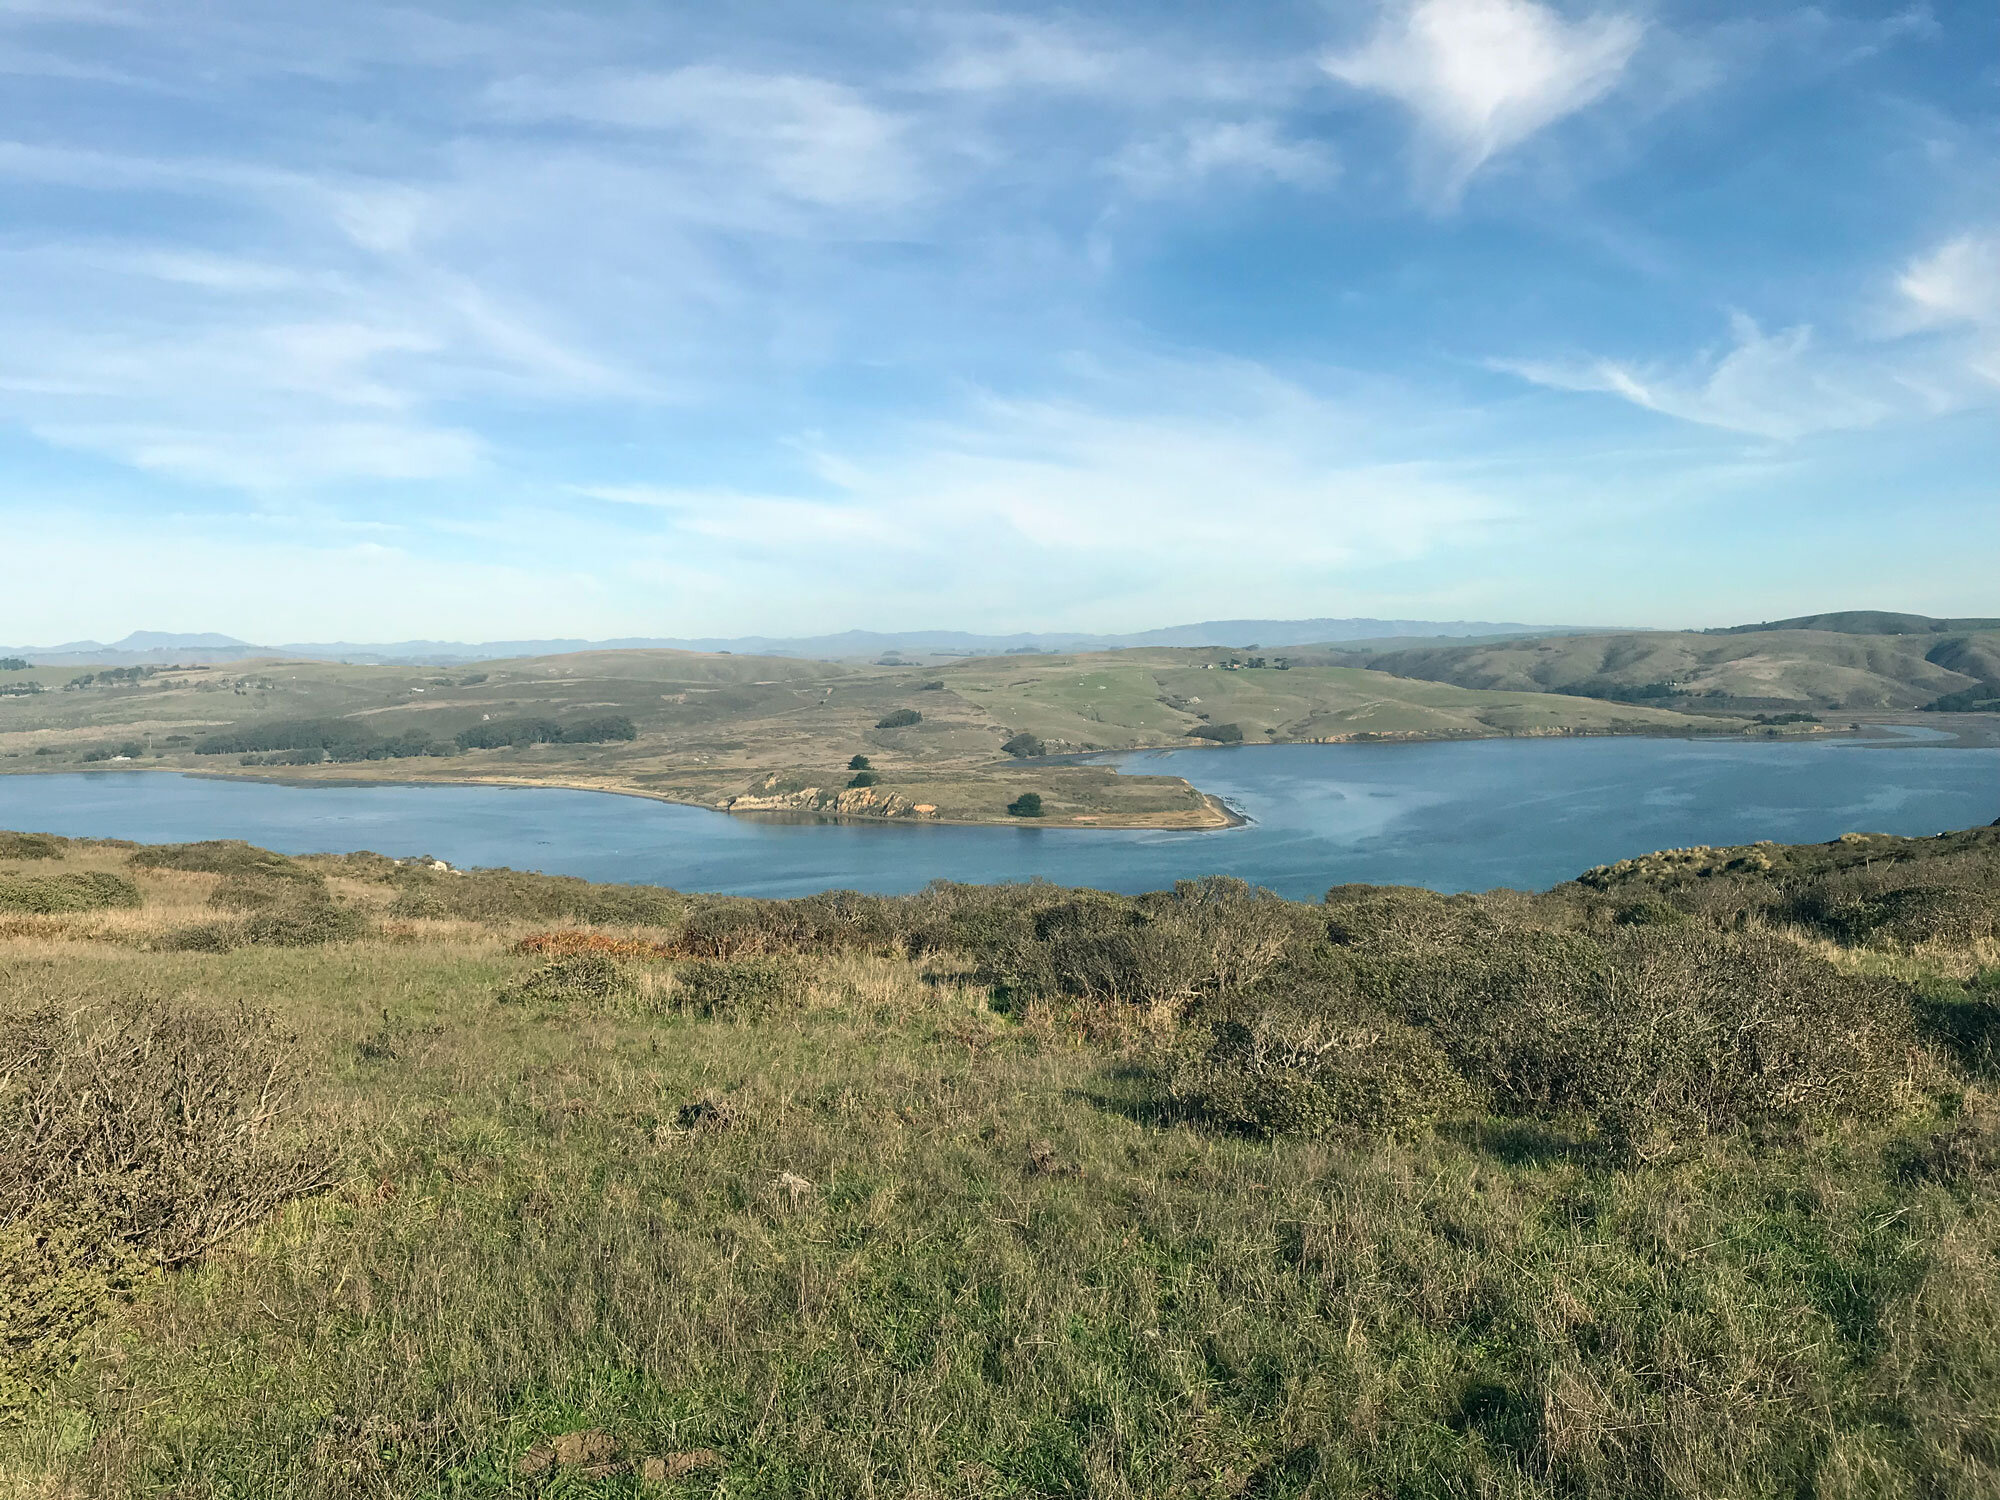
<point x="487" y="320"/>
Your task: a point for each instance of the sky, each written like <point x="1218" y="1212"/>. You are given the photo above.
<point x="505" y="320"/>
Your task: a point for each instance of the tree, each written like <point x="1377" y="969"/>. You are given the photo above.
<point x="1222" y="734"/>
<point x="902" y="718"/>
<point x="13" y="664"/>
<point x="1027" y="805"/>
<point x="1023" y="744"/>
<point x="864" y="778"/>
<point x="859" y="763"/>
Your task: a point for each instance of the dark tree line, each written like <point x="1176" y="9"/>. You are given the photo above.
<point x="308" y="741"/>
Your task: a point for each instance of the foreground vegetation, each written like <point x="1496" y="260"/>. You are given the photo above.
<point x="345" y="1177"/>
<point x="951" y="742"/>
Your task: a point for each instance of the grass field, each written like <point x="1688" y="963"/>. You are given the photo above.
<point x="766" y="732"/>
<point x="1680" y="1181"/>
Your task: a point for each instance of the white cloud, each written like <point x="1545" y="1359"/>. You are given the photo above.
<point x="1482" y="76"/>
<point x="1238" y="148"/>
<point x="1957" y="283"/>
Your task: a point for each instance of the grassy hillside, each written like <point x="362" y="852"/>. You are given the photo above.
<point x="337" y="1177"/>
<point x="1762" y="670"/>
<point x="757" y="733"/>
<point x="1869" y="622"/>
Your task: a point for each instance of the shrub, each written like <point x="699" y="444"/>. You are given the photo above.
<point x="1023" y="745"/>
<point x="90" y="890"/>
<point x="1916" y="913"/>
<point x="587" y="979"/>
<point x="1675" y="1029"/>
<point x="858" y="763"/>
<point x="129" y="1143"/>
<point x="511" y="895"/>
<point x="902" y="718"/>
<point x="296" y="924"/>
<point x="1027" y="805"/>
<point x="738" y="987"/>
<point x="863" y="778"/>
<point x="231" y="857"/>
<point x="262" y="892"/>
<point x="1313" y="1064"/>
<point x="32" y="846"/>
<point x="1221" y="734"/>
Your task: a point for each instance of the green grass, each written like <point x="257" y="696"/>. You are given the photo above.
<point x="878" y="1237"/>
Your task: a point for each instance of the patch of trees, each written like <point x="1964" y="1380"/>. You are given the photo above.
<point x="502" y="732"/>
<point x="864" y="778"/>
<point x="1221" y="734"/>
<point x="328" y="739"/>
<point x="130" y="750"/>
<point x="1791" y="718"/>
<point x="902" y="718"/>
<point x="1027" y="805"/>
<point x="1023" y="745"/>
<point x="1620" y="692"/>
<point x="110" y="677"/>
<point x="21" y="690"/>
<point x="1986" y="696"/>
<point x="13" y="664"/>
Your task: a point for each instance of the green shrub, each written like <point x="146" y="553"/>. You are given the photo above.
<point x="591" y="980"/>
<point x="1221" y="734"/>
<point x="1027" y="805"/>
<point x="858" y="763"/>
<point x="864" y="778"/>
<point x="32" y="846"/>
<point x="1024" y="745"/>
<point x="1304" y="1052"/>
<point x="902" y="718"/>
<point x="223" y="857"/>
<point x="742" y="988"/>
<point x="89" y="890"/>
<point x="296" y="924"/>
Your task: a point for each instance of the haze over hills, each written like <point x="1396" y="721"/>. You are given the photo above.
<point x="153" y="646"/>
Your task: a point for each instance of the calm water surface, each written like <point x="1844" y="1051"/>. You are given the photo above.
<point x="1455" y="816"/>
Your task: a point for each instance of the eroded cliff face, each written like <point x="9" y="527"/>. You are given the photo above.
<point x="853" y="801"/>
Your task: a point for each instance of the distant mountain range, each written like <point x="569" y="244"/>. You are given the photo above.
<point x="158" y="647"/>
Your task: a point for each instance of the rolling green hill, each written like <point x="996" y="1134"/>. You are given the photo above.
<point x="1749" y="670"/>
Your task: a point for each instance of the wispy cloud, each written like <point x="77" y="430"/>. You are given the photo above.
<point x="1246" y="150"/>
<point x="1482" y="76"/>
<point x="1956" y="283"/>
